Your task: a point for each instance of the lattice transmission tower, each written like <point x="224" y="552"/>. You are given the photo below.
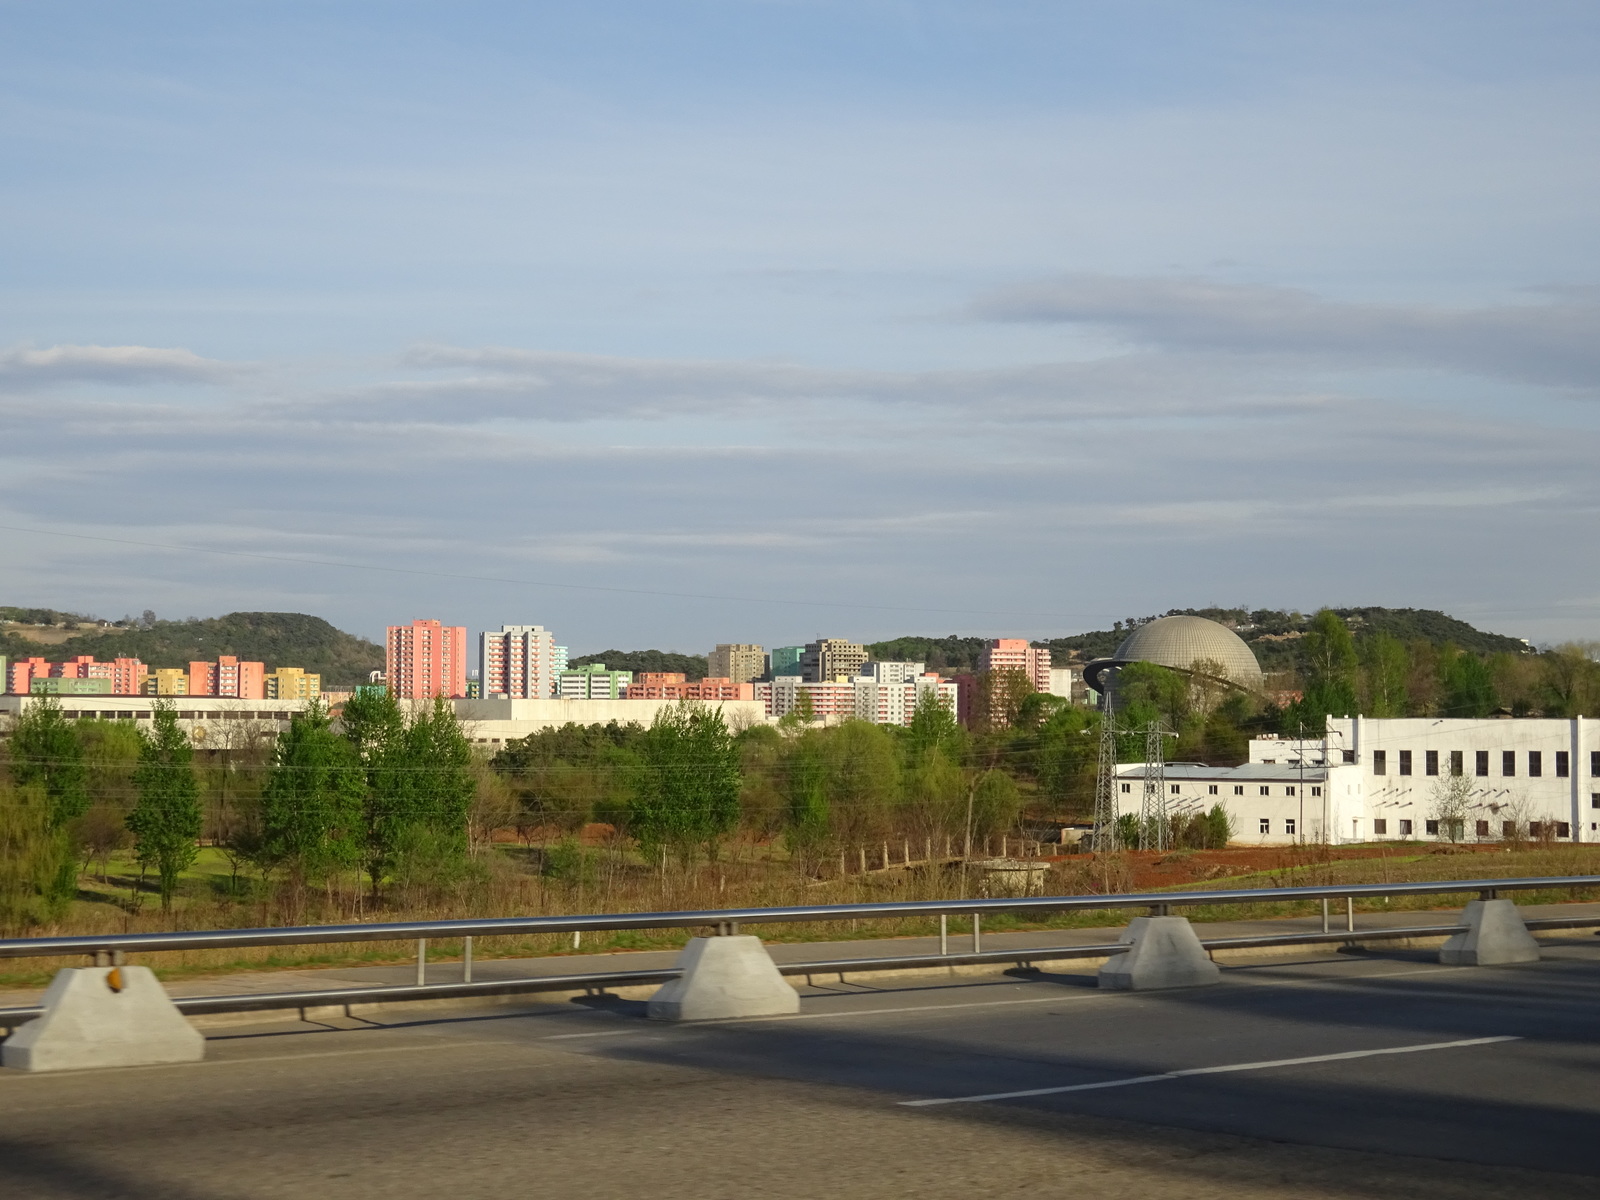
<point x="1155" y="825"/>
<point x="1107" y="832"/>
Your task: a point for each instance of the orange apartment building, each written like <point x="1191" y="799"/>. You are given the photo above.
<point x="1014" y="654"/>
<point x="228" y="677"/>
<point x="125" y="674"/>
<point x="426" y="659"/>
<point x="674" y="685"/>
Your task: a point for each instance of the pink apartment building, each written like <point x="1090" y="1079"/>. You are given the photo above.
<point x="426" y="659"/>
<point x="674" y="685"/>
<point x="1014" y="654"/>
<point x="125" y="674"/>
<point x="228" y="677"/>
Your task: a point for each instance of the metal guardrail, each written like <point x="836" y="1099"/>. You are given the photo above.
<point x="727" y="919"/>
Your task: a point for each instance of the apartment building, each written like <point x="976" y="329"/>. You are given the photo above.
<point x="426" y="659"/>
<point x="832" y="659"/>
<point x="293" y="683"/>
<point x="519" y="662"/>
<point x="228" y="676"/>
<point x="784" y="660"/>
<point x="593" y="682"/>
<point x="77" y="676"/>
<point x="1015" y="654"/>
<point x="167" y="681"/>
<point x="674" y="685"/>
<point x="738" y="661"/>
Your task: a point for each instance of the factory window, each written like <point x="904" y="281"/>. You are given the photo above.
<point x="1563" y="829"/>
<point x="1433" y="762"/>
<point x="1127" y="787"/>
<point x="1289" y="791"/>
<point x="1483" y="829"/>
<point x="1380" y="762"/>
<point x="1594" y="799"/>
<point x="1238" y="789"/>
<point x="1380" y="825"/>
<point x="1316" y="791"/>
<point x="1266" y="824"/>
<point x="1174" y="789"/>
<point x="1433" y="828"/>
<point x="1563" y="764"/>
<point x="1480" y="763"/>
<point x="1288" y="825"/>
<point x="1508" y="763"/>
<point x="1508" y="829"/>
<point x="1349" y="756"/>
<point x="1594" y="762"/>
<point x="1212" y="789"/>
<point x="1405" y="828"/>
<point x="1266" y="791"/>
<point x="1535" y="764"/>
<point x="1457" y="767"/>
<point x="1405" y="762"/>
<point x="1535" y="829"/>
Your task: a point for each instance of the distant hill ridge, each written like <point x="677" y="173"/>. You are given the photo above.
<point x="276" y="639"/>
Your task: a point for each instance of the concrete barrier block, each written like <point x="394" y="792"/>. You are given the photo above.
<point x="1165" y="954"/>
<point x="1496" y="935"/>
<point x="724" y="977"/>
<point x="103" y="1017"/>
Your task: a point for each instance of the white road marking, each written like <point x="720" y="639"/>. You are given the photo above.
<point x="1131" y="1080"/>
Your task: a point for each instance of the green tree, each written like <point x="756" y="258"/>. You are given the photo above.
<point x="419" y="826"/>
<point x="165" y="822"/>
<point x="1468" y="685"/>
<point x="688" y="789"/>
<point x="46" y="755"/>
<point x="1386" y="665"/>
<point x="311" y="806"/>
<point x="1328" y="660"/>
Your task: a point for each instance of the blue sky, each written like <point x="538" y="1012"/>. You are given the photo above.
<point x="764" y="321"/>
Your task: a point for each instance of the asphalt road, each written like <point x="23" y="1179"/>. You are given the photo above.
<point x="1379" y="1075"/>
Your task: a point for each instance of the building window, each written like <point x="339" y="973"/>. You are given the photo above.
<point x="1380" y="826"/>
<point x="1405" y="762"/>
<point x="1174" y="789"/>
<point x="1238" y="789"/>
<point x="1594" y="799"/>
<point x="1594" y="762"/>
<point x="1563" y="764"/>
<point x="1535" y="764"/>
<point x="1405" y="828"/>
<point x="1316" y="791"/>
<point x="1508" y="829"/>
<point x="1288" y="825"/>
<point x="1457" y="768"/>
<point x="1508" y="763"/>
<point x="1266" y="791"/>
<point x="1266" y="824"/>
<point x="1481" y="763"/>
<point x="1289" y="791"/>
<point x="1212" y="790"/>
<point x="1432" y="762"/>
<point x="1432" y="828"/>
<point x="1349" y="756"/>
<point x="1563" y="829"/>
<point x="1380" y="762"/>
<point x="1483" y="829"/>
<point x="1127" y="787"/>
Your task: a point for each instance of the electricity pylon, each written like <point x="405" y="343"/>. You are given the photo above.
<point x="1155" y="826"/>
<point x="1107" y="833"/>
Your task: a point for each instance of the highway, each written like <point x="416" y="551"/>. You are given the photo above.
<point x="1342" y="1075"/>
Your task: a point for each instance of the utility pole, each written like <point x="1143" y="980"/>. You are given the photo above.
<point x="1107" y="834"/>
<point x="1154" y="826"/>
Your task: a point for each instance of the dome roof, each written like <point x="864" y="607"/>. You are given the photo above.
<point x="1180" y="642"/>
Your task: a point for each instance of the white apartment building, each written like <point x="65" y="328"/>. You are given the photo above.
<point x="593" y="682"/>
<point x="887" y="695"/>
<point x="518" y="663"/>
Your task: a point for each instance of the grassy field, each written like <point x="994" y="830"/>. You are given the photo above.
<point x="535" y="881"/>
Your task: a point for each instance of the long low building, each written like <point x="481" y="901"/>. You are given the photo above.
<point x="494" y="722"/>
<point x="210" y="721"/>
<point x="1383" y="779"/>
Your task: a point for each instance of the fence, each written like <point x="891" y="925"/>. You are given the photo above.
<point x="114" y="947"/>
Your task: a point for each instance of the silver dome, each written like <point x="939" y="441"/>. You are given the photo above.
<point x="1181" y="642"/>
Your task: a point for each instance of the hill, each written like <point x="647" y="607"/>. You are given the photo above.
<point x="692" y="665"/>
<point x="952" y="655"/>
<point x="1273" y="633"/>
<point x="276" y="639"/>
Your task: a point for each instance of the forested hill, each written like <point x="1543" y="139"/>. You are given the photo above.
<point x="276" y="639"/>
<point x="1273" y="634"/>
<point x="692" y="665"/>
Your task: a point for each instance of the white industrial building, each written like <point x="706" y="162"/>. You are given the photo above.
<point x="1376" y="779"/>
<point x="491" y="723"/>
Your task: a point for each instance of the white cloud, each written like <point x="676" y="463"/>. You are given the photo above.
<point x="110" y="364"/>
<point x="1551" y="340"/>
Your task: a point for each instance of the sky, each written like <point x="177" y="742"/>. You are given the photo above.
<point x="668" y="324"/>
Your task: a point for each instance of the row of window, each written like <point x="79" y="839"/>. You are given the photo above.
<point x="1288" y="825"/>
<point x="1238" y="789"/>
<point x="1480" y="765"/>
<point x="1508" y="829"/>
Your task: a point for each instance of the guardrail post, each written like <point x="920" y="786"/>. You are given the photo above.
<point x="1324" y="914"/>
<point x="977" y="935"/>
<point x="1350" y="914"/>
<point x="422" y="961"/>
<point x="466" y="961"/>
<point x="944" y="933"/>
